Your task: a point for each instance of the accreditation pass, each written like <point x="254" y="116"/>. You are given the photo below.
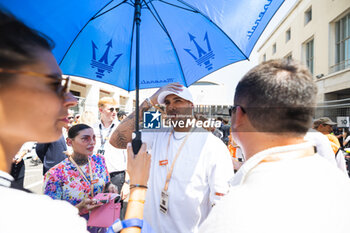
<point x="164" y="200"/>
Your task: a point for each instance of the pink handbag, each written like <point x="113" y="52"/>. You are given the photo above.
<point x="105" y="215"/>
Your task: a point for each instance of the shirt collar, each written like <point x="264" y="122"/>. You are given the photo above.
<point x="114" y="123"/>
<point x="254" y="161"/>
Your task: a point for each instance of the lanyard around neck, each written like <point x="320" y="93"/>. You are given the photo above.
<point x="277" y="156"/>
<point x="170" y="172"/>
<point x="103" y="140"/>
<point x="289" y="155"/>
<point x="83" y="174"/>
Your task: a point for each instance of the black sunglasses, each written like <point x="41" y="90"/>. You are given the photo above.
<point x="61" y="86"/>
<point x="114" y="109"/>
<point x="233" y="108"/>
<point x="70" y="118"/>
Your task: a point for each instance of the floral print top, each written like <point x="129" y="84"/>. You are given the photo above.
<point x="64" y="182"/>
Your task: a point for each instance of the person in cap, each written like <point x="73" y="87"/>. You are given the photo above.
<point x="284" y="186"/>
<point x="324" y="125"/>
<point x="190" y="167"/>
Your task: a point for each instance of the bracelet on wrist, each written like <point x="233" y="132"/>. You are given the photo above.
<point x="138" y="186"/>
<point x="118" y="225"/>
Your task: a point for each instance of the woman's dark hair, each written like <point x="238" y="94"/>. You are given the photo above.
<point x="75" y="129"/>
<point x="18" y="43"/>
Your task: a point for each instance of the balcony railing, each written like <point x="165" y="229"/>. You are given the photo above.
<point x="340" y="66"/>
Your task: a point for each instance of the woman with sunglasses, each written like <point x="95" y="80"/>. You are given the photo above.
<point x="81" y="176"/>
<point x="34" y="102"/>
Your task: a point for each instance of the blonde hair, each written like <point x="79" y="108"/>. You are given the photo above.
<point x="106" y="100"/>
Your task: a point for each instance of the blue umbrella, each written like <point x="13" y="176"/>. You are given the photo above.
<point x="114" y="41"/>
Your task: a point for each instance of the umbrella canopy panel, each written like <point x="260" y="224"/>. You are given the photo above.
<point x="180" y="41"/>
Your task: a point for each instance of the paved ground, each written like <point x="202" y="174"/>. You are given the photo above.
<point x="33" y="178"/>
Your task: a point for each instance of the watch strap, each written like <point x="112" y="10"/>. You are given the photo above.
<point x="119" y="225"/>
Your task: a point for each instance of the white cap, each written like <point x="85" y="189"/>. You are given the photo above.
<point x="184" y="94"/>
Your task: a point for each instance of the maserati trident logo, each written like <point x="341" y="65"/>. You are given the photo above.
<point x="203" y="56"/>
<point x="102" y="64"/>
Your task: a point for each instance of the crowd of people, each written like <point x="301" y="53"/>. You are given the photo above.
<point x="287" y="177"/>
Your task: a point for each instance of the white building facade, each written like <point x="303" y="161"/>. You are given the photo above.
<point x="317" y="32"/>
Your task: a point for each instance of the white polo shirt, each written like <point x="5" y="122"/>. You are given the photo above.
<point x="295" y="194"/>
<point x="201" y="171"/>
<point x="116" y="159"/>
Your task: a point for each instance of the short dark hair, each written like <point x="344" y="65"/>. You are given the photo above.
<point x="18" y="43"/>
<point x="75" y="129"/>
<point x="120" y="114"/>
<point x="278" y="96"/>
<point x="220" y="119"/>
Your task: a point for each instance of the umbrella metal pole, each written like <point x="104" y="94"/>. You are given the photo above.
<point x="136" y="143"/>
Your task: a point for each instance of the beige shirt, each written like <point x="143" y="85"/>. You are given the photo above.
<point x="301" y="195"/>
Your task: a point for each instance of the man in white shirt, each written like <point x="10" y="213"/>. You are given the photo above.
<point x="190" y="167"/>
<point x="284" y="186"/>
<point x="116" y="159"/>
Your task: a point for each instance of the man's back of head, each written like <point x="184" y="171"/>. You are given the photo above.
<point x="278" y="96"/>
<point x="283" y="181"/>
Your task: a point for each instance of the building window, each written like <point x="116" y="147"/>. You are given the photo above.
<point x="309" y="55"/>
<point x="342" y="43"/>
<point x="289" y="57"/>
<point x="264" y="57"/>
<point x="308" y="15"/>
<point x="274" y="48"/>
<point x="75" y="93"/>
<point x="288" y="35"/>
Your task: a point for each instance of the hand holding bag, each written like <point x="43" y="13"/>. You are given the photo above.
<point x="105" y="215"/>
